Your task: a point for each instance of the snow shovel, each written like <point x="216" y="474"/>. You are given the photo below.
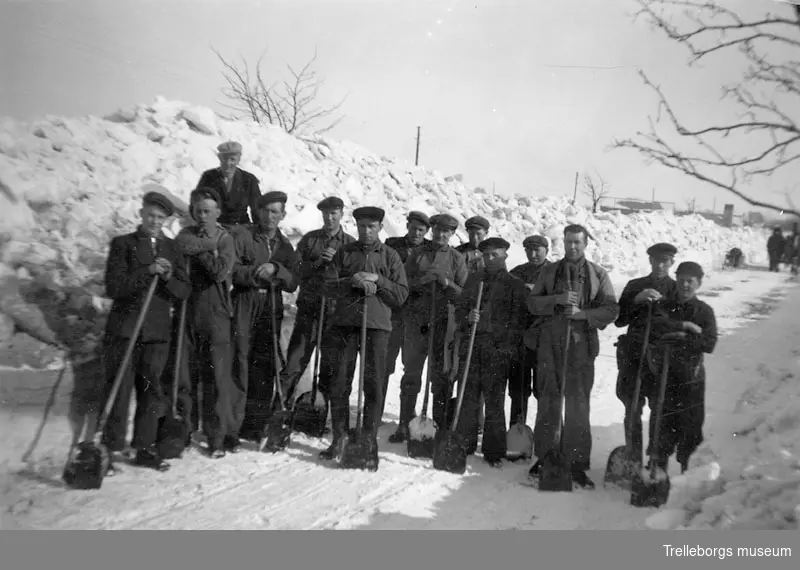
<point x="519" y="438"/>
<point x="622" y="461"/>
<point x="310" y="410"/>
<point x="450" y="447"/>
<point x="89" y="461"/>
<point x="360" y="446"/>
<point x="174" y="430"/>
<point x="422" y="430"/>
<point x="278" y="430"/>
<point x="651" y="489"/>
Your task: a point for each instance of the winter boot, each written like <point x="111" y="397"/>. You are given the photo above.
<point x="407" y="405"/>
<point x="148" y="457"/>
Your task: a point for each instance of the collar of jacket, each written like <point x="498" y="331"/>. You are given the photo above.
<point x="141" y="235"/>
<point x="433" y="246"/>
<point x="258" y="235"/>
<point x="367" y="247"/>
<point x="200" y="232"/>
<point x="222" y="172"/>
<point x="338" y="234"/>
<point x="488" y="277"/>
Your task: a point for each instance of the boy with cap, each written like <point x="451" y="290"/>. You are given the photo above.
<point x="134" y="260"/>
<point x="417" y="225"/>
<point x="500" y="322"/>
<point x="637" y="295"/>
<point x="688" y="327"/>
<point x="236" y="188"/>
<point x="433" y="262"/>
<point x="266" y="265"/>
<point x="209" y="315"/>
<point x="577" y="290"/>
<point x="477" y="229"/>
<point x="315" y="251"/>
<point x="522" y="378"/>
<point x="364" y="272"/>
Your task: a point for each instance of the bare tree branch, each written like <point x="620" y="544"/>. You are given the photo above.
<point x="691" y="205"/>
<point x="768" y="95"/>
<point x="595" y="191"/>
<point x="292" y="107"/>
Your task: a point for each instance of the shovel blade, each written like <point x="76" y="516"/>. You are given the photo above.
<point x="450" y="452"/>
<point x="359" y="451"/>
<point x="87" y="466"/>
<point x="519" y="442"/>
<point x="556" y="473"/>
<point x="309" y="417"/>
<point x="621" y="468"/>
<point x="420" y="448"/>
<point x="173" y="435"/>
<point x="650" y="491"/>
<point x="278" y="432"/>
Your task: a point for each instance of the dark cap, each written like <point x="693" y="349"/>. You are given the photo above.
<point x="477" y="222"/>
<point x="420" y="217"/>
<point x="369" y="213"/>
<point x="158" y="199"/>
<point x="691" y="269"/>
<point x="229" y="147"/>
<point x="493" y="243"/>
<point x="662" y="249"/>
<point x="444" y="221"/>
<point x="330" y="203"/>
<point x="204" y="193"/>
<point x="535" y="241"/>
<point x="271" y="198"/>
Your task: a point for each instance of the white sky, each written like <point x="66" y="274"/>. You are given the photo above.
<point x="520" y="94"/>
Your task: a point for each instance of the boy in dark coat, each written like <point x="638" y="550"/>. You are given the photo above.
<point x="266" y="265"/>
<point x="134" y="260"/>
<point x="501" y="323"/>
<point x="364" y="270"/>
<point x="209" y="315"/>
<point x="236" y="188"/>
<point x="688" y="327"/>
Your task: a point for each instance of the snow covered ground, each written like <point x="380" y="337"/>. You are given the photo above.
<point x="757" y="357"/>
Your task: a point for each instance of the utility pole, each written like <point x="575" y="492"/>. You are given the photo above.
<point x="575" y="190"/>
<point x="714" y="205"/>
<point x="416" y="158"/>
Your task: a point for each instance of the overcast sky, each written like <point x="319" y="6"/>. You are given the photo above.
<point x="519" y="94"/>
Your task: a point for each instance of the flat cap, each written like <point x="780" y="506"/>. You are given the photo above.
<point x="369" y="213"/>
<point x="229" y="147"/>
<point x="330" y="203"/>
<point x="204" y="193"/>
<point x="493" y="243"/>
<point x="272" y="197"/>
<point x="662" y="249"/>
<point x="691" y="269"/>
<point x="477" y="222"/>
<point x="444" y="221"/>
<point x="158" y="199"/>
<point x="535" y="241"/>
<point x="415" y="216"/>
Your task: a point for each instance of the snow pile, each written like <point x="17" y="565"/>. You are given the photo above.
<point x="70" y="184"/>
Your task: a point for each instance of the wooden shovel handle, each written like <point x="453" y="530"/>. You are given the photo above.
<point x="473" y="330"/>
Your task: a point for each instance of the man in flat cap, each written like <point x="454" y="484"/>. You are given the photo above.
<point x="366" y="275"/>
<point x="477" y="229"/>
<point x="522" y="378"/>
<point x="436" y="273"/>
<point x="266" y="265"/>
<point x="134" y="260"/>
<point x="577" y="291"/>
<point x="417" y="225"/>
<point x="686" y="326"/>
<point x="237" y="188"/>
<point x="209" y="315"/>
<point x="500" y="320"/>
<point x="638" y="299"/>
<point x="315" y="251"/>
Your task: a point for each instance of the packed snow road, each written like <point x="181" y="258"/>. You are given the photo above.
<point x="295" y="490"/>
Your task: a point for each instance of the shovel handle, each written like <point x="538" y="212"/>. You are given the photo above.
<point x="137" y="328"/>
<point x="637" y="390"/>
<point x="276" y="352"/>
<point x="473" y="330"/>
<point x="320" y="324"/>
<point x="662" y="392"/>
<point x="176" y="374"/>
<point x="429" y="375"/>
<point x="362" y="365"/>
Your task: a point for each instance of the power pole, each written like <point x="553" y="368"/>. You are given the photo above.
<point x="416" y="158"/>
<point x="575" y="190"/>
<point x="653" y="200"/>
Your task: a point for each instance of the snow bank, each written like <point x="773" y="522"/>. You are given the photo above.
<point x="70" y="184"/>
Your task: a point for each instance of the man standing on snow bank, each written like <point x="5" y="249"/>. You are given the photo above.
<point x="633" y="309"/>
<point x="365" y="272"/>
<point x="315" y="252"/>
<point x="237" y="188"/>
<point x="688" y="327"/>
<point x="590" y="304"/>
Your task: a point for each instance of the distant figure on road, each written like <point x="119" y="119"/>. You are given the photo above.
<point x="775" y="247"/>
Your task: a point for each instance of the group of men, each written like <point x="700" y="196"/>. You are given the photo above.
<point x="231" y="269"/>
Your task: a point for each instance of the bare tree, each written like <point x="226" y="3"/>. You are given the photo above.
<point x="595" y="190"/>
<point x="691" y="205"/>
<point x="292" y="105"/>
<point x="767" y="94"/>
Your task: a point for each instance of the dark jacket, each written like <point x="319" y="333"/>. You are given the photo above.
<point x="404" y="248"/>
<point x="504" y="313"/>
<point x="425" y="259"/>
<point x="687" y="354"/>
<point x="472" y="256"/>
<point x="392" y="286"/>
<point x="312" y="267"/>
<point x="127" y="279"/>
<point x="244" y="192"/>
<point x="254" y="249"/>
<point x="634" y="316"/>
<point x="529" y="272"/>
